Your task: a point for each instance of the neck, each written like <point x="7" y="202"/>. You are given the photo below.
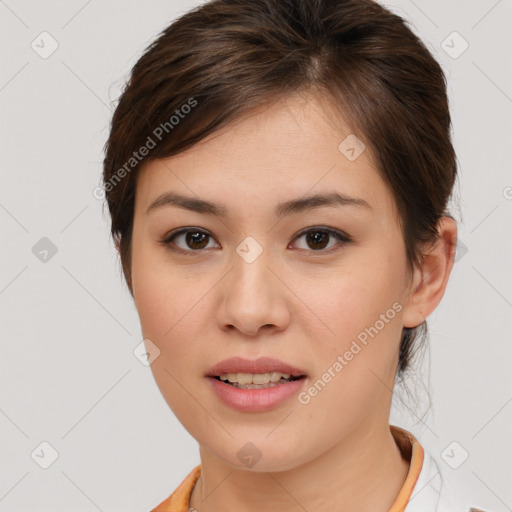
<point x="363" y="471"/>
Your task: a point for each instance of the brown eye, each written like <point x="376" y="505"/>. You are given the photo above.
<point x="196" y="239"/>
<point x="187" y="240"/>
<point x="317" y="239"/>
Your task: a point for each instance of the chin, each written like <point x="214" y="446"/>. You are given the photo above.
<point x="259" y="456"/>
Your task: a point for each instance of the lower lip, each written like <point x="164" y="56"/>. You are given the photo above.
<point x="256" y="400"/>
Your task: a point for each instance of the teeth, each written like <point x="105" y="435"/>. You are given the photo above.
<point x="251" y="378"/>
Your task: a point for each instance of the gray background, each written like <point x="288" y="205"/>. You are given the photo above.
<point x="68" y="324"/>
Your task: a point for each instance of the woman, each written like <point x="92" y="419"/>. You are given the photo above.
<point x="277" y="174"/>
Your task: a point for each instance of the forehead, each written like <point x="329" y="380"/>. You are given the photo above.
<point x="286" y="149"/>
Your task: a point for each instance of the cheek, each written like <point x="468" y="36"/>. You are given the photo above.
<point x="172" y="310"/>
<point x="162" y="294"/>
<point x="167" y="307"/>
<point x="150" y="300"/>
<point x="359" y="305"/>
<point x="352" y="298"/>
<point x="355" y="364"/>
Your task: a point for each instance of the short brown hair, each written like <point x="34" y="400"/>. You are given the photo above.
<point x="228" y="56"/>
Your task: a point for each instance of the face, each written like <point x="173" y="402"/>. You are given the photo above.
<point x="321" y="286"/>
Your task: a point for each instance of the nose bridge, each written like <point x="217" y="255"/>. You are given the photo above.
<point x="251" y="298"/>
<point x="250" y="266"/>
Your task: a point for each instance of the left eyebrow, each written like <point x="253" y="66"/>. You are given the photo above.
<point x="307" y="203"/>
<point x="303" y="204"/>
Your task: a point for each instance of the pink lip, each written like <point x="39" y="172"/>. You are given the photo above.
<point x="255" y="400"/>
<point x="260" y="365"/>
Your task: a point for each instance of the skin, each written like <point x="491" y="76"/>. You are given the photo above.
<point x="298" y="302"/>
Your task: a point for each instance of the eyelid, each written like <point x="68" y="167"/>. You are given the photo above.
<point x="169" y="237"/>
<point x="342" y="237"/>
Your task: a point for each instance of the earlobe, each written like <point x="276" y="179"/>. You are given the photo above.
<point x="431" y="278"/>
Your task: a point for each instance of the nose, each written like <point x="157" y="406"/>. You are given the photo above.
<point x="253" y="299"/>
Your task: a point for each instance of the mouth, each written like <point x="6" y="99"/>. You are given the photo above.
<point x="257" y="381"/>
<point x="264" y="372"/>
<point x="255" y="386"/>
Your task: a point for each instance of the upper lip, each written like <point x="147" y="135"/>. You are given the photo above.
<point x="260" y="365"/>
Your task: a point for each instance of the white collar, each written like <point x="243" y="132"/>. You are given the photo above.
<point x="433" y="491"/>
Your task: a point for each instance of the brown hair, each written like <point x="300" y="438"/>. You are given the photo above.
<point x="225" y="57"/>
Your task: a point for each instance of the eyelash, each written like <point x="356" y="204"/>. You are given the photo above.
<point x="342" y="238"/>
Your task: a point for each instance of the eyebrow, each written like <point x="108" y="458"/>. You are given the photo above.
<point x="303" y="204"/>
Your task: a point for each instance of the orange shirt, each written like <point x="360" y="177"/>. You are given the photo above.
<point x="179" y="500"/>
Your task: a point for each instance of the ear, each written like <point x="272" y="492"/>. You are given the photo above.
<point x="431" y="278"/>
